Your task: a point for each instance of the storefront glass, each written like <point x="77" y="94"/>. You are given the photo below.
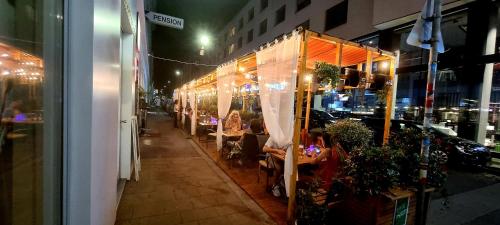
<point x="458" y="83"/>
<point x="31" y="118"/>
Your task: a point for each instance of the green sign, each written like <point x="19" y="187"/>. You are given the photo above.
<point x="401" y="211"/>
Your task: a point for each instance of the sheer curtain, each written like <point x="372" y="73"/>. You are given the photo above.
<point x="226" y="75"/>
<point x="277" y="74"/>
<point x="192" y="103"/>
<point x="184" y="104"/>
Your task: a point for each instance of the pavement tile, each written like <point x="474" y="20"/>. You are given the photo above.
<point x="178" y="186"/>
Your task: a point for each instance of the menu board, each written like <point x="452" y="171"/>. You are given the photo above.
<point x="401" y="211"/>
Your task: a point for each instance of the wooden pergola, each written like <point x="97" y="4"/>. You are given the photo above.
<point x="314" y="48"/>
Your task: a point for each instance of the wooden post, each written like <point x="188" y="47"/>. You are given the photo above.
<point x="296" y="130"/>
<point x="338" y="54"/>
<point x="308" y="104"/>
<point x="387" y="124"/>
<point x="368" y="67"/>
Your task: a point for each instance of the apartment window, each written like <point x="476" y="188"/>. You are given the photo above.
<point x="302" y="4"/>
<point x="263" y="4"/>
<point x="336" y="15"/>
<point x="280" y="15"/>
<point x="263" y="27"/>
<point x="231" y="49"/>
<point x="304" y="25"/>
<point x="225" y="52"/>
<point x="240" y="24"/>
<point x="251" y="14"/>
<point x="250" y="36"/>
<point x="240" y="42"/>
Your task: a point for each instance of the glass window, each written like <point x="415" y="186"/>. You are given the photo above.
<point x="336" y="15"/>
<point x="251" y="14"/>
<point x="240" y="42"/>
<point x="263" y="27"/>
<point x="280" y="15"/>
<point x="240" y="24"/>
<point x="302" y="4"/>
<point x="263" y="4"/>
<point x="250" y="36"/>
<point x="30" y="112"/>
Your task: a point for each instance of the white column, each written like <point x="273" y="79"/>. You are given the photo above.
<point x="484" y="104"/>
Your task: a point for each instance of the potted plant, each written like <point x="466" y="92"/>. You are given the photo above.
<point x="381" y="101"/>
<point x="408" y="141"/>
<point x="350" y="134"/>
<point x="327" y="75"/>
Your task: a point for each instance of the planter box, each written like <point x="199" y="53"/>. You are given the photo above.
<point x="374" y="210"/>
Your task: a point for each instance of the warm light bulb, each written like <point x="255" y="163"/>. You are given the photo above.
<point x="308" y="78"/>
<point x="384" y="65"/>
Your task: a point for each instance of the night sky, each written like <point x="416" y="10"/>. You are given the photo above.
<point x="200" y="16"/>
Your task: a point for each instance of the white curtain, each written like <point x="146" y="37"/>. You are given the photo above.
<point x="226" y="75"/>
<point x="192" y="103"/>
<point x="277" y="74"/>
<point x="184" y="104"/>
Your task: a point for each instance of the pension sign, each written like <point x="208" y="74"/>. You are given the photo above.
<point x="165" y="20"/>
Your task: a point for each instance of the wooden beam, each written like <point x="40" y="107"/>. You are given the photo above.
<point x="308" y="104"/>
<point x="338" y="54"/>
<point x="388" y="108"/>
<point x="296" y="132"/>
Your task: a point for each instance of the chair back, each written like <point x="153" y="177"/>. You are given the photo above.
<point x="250" y="146"/>
<point x="262" y="139"/>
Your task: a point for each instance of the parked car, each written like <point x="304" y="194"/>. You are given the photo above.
<point x="319" y="119"/>
<point x="460" y="151"/>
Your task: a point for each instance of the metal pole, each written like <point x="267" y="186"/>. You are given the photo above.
<point x="422" y="206"/>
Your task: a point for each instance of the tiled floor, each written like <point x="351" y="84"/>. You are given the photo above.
<point x="178" y="185"/>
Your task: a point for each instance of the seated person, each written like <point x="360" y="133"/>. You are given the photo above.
<point x="233" y="123"/>
<point x="272" y="147"/>
<point x="331" y="163"/>
<point x="317" y="139"/>
<point x="236" y="146"/>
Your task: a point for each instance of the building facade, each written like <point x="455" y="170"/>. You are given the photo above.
<point x="70" y="71"/>
<point x="467" y="86"/>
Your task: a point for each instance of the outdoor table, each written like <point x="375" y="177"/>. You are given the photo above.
<point x="229" y="135"/>
<point x="302" y="160"/>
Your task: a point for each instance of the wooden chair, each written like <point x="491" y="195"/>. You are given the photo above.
<point x="265" y="165"/>
<point x="249" y="149"/>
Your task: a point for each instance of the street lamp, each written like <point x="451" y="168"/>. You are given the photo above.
<point x="177" y="73"/>
<point x="204" y="41"/>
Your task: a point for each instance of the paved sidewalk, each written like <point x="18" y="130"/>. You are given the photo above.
<point x="473" y="207"/>
<point x="180" y="185"/>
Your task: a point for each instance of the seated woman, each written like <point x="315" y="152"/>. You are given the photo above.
<point x="331" y="162"/>
<point x="236" y="146"/>
<point x="317" y="139"/>
<point x="233" y="123"/>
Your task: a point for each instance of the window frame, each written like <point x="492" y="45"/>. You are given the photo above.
<point x="301" y="4"/>
<point x="261" y="30"/>
<point x="249" y="37"/>
<point x="264" y="6"/>
<point x="281" y="12"/>
<point x="251" y="14"/>
<point x="334" y="14"/>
